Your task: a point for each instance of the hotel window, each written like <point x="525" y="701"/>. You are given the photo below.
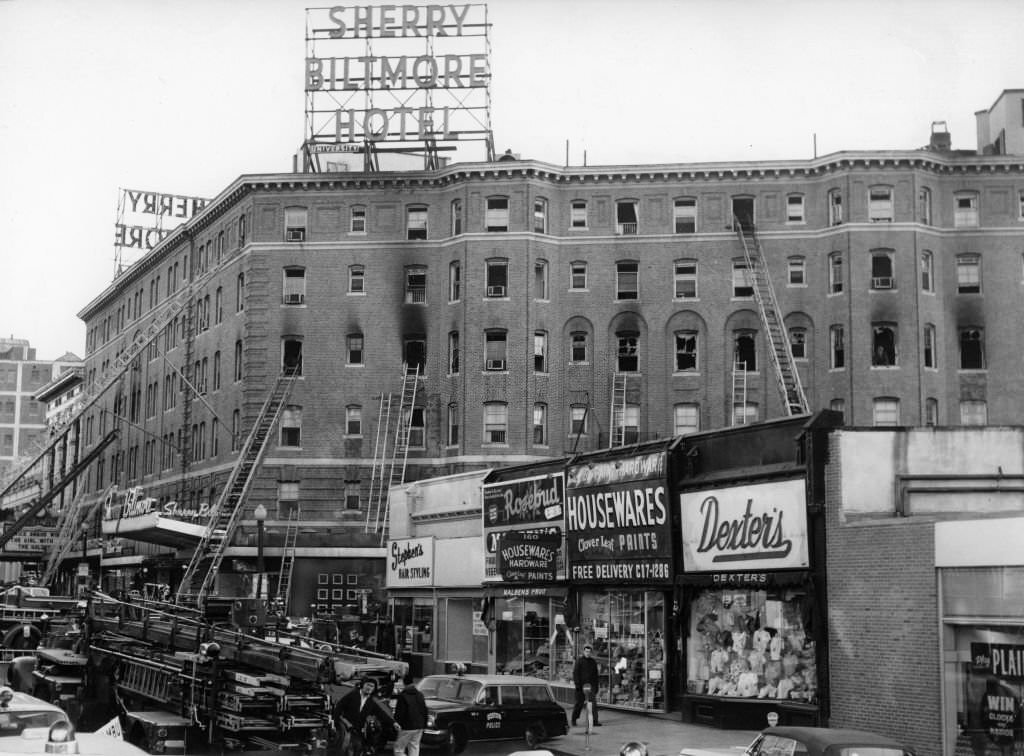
<point x="416" y="222"/>
<point x="627" y="284"/>
<point x="744" y="413"/>
<point x="973" y="412"/>
<point x="416" y="285"/>
<point x="972" y="349"/>
<point x="236" y="430"/>
<point x="294" y="224"/>
<point x="883" y="345"/>
<point x="356" y="279"/>
<point x="684" y="215"/>
<point x="291" y="426"/>
<point x="835" y="207"/>
<point x="497" y="279"/>
<point x="540" y="424"/>
<point x="496" y="217"/>
<point x="495" y="350"/>
<point x="927" y="271"/>
<point x="882" y="276"/>
<point x="357" y="219"/>
<point x="578" y="347"/>
<point x="798" y="343"/>
<point x="795" y="208"/>
<point x="931" y="411"/>
<point x="686" y="351"/>
<point x="685" y="419"/>
<point x="745" y="351"/>
<point x="626" y="217"/>
<point x="453" y="353"/>
<point x="965" y="214"/>
<point x="880" y="204"/>
<point x="686" y="279"/>
<point x="291" y="355"/>
<point x="239" y="293"/>
<point x="351" y="493"/>
<point x="797" y="268"/>
<point x="354" y="347"/>
<point x="578" y="420"/>
<point x="454" y="282"/>
<point x="835" y="273"/>
<point x="495" y="422"/>
<point x="742" y="280"/>
<point x="417" y="427"/>
<point x="578" y="276"/>
<point x="578" y="214"/>
<point x="218" y="305"/>
<point x="238" y="361"/>
<point x="626" y="425"/>
<point x="456" y="217"/>
<point x="968" y="274"/>
<point x="837" y="350"/>
<point x="353" y="420"/>
<point x="540" y="352"/>
<point x="928" y="346"/>
<point x="1020" y="205"/>
<point x="838" y="405"/>
<point x="241" y="231"/>
<point x="628" y="359"/>
<point x="453" y="424"/>
<point x="540" y="216"/>
<point x="886" y="411"/>
<point x="294" y="286"/>
<point x="540" y="280"/>
<point x="216" y="370"/>
<point x="924" y="206"/>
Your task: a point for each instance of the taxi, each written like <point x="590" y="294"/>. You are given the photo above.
<point x="463" y="708"/>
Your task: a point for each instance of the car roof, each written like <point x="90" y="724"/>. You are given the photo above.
<point x="24" y="702"/>
<point x="89" y="744"/>
<point x="492" y="679"/>
<point x="823" y="737"/>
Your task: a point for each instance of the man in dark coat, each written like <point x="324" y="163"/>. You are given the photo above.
<point x="411" y="715"/>
<point x="351" y="714"/>
<point x="584" y="677"/>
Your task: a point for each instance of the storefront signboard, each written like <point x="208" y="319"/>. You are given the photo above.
<point x="745" y="528"/>
<point x="618" y="527"/>
<point x="524" y="502"/>
<point x="1001" y="665"/>
<point x="410" y="562"/>
<point x="524" y="515"/>
<point x="528" y="556"/>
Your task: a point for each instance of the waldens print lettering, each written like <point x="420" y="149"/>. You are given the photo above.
<point x="746" y="537"/>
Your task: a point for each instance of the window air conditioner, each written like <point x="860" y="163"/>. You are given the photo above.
<point x="495" y="291"/>
<point x="294" y="298"/>
<point x="495" y="364"/>
<point x="295" y="235"/>
<point x="882" y="283"/>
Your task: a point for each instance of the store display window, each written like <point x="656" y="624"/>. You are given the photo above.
<point x="414" y="624"/>
<point x="627" y="632"/>
<point x="751" y="644"/>
<point x="983" y="660"/>
<point x="531" y="638"/>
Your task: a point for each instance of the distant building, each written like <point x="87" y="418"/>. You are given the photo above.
<point x="545" y="310"/>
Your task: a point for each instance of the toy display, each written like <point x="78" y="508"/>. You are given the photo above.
<point x="751" y="644"/>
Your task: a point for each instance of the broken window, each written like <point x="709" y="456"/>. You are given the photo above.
<point x="628" y="357"/>
<point x="883" y="345"/>
<point x="686" y="350"/>
<point x="972" y="349"/>
<point x="745" y="351"/>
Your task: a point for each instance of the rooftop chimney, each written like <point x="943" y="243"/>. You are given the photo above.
<point x="941" y="141"/>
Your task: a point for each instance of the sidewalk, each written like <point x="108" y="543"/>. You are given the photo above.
<point x="665" y="735"/>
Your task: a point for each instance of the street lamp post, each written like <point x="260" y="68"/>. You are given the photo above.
<point x="260" y="514"/>
<point x="83" y="566"/>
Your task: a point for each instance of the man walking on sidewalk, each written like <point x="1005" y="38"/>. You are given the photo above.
<point x="584" y="678"/>
<point x="411" y="715"/>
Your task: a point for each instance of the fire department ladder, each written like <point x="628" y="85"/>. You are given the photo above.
<point x="164" y="314"/>
<point x="209" y="553"/>
<point x="392" y="469"/>
<point x="68" y="528"/>
<point x="284" y="580"/>
<point x="617" y="421"/>
<point x="739" y="393"/>
<point x="781" y="353"/>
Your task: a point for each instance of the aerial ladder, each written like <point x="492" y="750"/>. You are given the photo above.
<point x="206" y="560"/>
<point x="781" y="352"/>
<point x="79" y="513"/>
<point x="617" y="419"/>
<point x="388" y="470"/>
<point x="284" y="580"/>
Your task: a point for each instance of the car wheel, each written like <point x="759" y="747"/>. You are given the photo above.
<point x="535" y="735"/>
<point x="456" y="740"/>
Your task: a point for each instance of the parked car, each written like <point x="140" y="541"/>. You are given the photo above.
<point x="489" y="707"/>
<point x="814" y="741"/>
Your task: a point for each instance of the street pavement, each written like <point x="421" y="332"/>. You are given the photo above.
<point x="664" y="735"/>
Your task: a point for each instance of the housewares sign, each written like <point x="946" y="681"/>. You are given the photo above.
<point x="520" y="516"/>
<point x="745" y="528"/>
<point x="617" y="521"/>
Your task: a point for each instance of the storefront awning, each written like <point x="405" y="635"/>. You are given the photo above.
<point x="745" y="579"/>
<point x="155" y="528"/>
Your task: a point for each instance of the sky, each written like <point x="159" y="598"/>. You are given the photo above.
<point x="183" y="97"/>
